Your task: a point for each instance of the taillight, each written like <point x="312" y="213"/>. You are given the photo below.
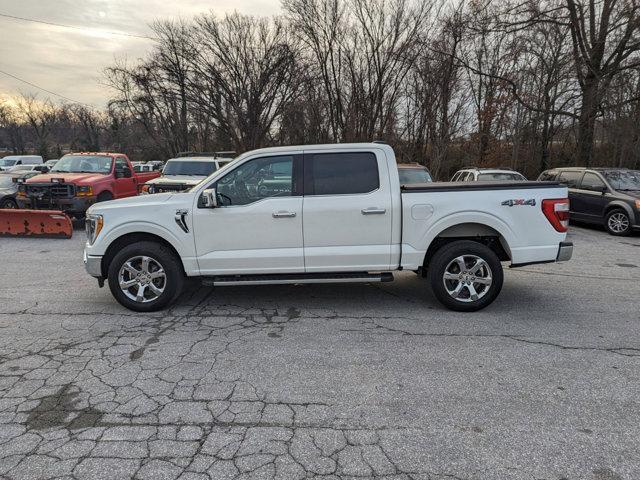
<point x="557" y="212"/>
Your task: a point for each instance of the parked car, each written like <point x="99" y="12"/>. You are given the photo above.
<point x="143" y="167"/>
<point x="13" y="160"/>
<point x="473" y="174"/>
<point x="603" y="196"/>
<point x="79" y="180"/>
<point x="41" y="168"/>
<point x="9" y="182"/>
<point x="182" y="173"/>
<point x="359" y="226"/>
<point x="157" y="164"/>
<point x="413" y="174"/>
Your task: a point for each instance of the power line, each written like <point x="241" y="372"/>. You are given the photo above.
<point x="44" y="89"/>
<point x="13" y="17"/>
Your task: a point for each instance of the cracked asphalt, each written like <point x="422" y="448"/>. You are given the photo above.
<point x="322" y="381"/>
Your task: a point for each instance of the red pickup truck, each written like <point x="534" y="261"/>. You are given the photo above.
<point x="78" y="180"/>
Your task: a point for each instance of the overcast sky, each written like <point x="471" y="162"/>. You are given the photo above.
<point x="70" y="61"/>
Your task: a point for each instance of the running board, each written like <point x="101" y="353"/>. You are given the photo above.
<point x="291" y="278"/>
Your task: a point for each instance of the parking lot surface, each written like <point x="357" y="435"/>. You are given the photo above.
<point x="323" y="381"/>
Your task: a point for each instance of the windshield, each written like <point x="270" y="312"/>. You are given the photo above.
<point x="196" y="169"/>
<point x="499" y="176"/>
<point x="83" y="164"/>
<point x="623" y="179"/>
<point x="410" y="176"/>
<point x="7" y="162"/>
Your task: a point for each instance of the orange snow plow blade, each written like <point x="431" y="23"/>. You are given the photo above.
<point x="35" y="223"/>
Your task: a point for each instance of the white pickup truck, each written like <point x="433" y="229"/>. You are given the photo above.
<point x="324" y="213"/>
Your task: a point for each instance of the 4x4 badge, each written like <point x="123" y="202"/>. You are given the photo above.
<point x="519" y="201"/>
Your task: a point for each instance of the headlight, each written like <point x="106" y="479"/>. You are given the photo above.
<point x="93" y="226"/>
<point x="84" y="191"/>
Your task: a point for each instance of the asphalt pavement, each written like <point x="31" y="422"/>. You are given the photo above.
<point x="322" y="381"/>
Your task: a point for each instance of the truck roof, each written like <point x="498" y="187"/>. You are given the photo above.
<point x="102" y="154"/>
<point x="325" y="146"/>
<point x="199" y="159"/>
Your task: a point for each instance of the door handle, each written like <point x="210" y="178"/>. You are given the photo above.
<point x="373" y="211"/>
<point x="283" y="214"/>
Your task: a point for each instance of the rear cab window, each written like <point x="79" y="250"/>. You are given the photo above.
<point x="341" y="173"/>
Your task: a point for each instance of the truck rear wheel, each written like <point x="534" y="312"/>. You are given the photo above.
<point x="465" y="276"/>
<point x="145" y="277"/>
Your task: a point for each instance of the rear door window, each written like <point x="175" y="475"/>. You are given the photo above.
<point x="570" y="178"/>
<point x="345" y="173"/>
<point x="592" y="182"/>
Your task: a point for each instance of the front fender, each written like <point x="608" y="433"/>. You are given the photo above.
<point x="184" y="245"/>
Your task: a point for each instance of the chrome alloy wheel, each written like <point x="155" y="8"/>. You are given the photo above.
<point x="618" y="222"/>
<point x="142" y="279"/>
<point x="467" y="278"/>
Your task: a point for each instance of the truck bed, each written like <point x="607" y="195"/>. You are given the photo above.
<point x="454" y="186"/>
<point x="510" y="210"/>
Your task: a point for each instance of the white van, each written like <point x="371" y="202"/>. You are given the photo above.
<point x="12" y="160"/>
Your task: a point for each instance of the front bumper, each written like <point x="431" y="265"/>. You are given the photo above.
<point x="73" y="205"/>
<point x="565" y="252"/>
<point x="93" y="265"/>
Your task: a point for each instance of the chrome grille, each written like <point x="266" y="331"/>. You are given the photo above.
<point x="168" y="187"/>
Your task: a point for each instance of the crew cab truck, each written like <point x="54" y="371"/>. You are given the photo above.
<point x="79" y="180"/>
<point x="183" y="172"/>
<point x="325" y="213"/>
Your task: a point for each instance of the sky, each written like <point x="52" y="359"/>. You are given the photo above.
<point x="70" y="61"/>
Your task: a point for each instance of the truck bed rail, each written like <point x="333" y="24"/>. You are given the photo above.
<point x="456" y="186"/>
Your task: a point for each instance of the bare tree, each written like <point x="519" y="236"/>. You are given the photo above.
<point x="247" y="73"/>
<point x="41" y="116"/>
<point x="605" y="35"/>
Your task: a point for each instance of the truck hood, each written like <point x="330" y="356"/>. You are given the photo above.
<point x="176" y="179"/>
<point x="75" y="178"/>
<point x="139" y="201"/>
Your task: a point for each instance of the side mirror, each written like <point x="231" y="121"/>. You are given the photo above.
<point x="210" y="198"/>
<point x="605" y="189"/>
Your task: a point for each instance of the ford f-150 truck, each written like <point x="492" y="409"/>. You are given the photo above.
<point x="324" y="213"/>
<point x="79" y="180"/>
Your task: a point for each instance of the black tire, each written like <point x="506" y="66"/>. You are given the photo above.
<point x="8" y="203"/>
<point x="618" y="223"/>
<point x="161" y="256"/>
<point x="445" y="261"/>
<point x="104" y="197"/>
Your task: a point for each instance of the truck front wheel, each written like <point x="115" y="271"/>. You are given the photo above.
<point x="465" y="276"/>
<point x="145" y="277"/>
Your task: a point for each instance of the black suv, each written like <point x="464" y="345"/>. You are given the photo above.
<point x="606" y="196"/>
